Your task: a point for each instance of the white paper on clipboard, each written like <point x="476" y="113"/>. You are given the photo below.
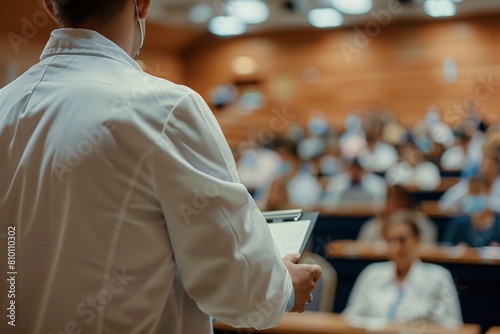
<point x="289" y="236"/>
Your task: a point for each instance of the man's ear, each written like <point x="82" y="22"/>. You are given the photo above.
<point x="144" y="6"/>
<point x="50" y="10"/>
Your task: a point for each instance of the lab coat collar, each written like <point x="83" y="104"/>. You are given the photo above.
<point x="85" y="42"/>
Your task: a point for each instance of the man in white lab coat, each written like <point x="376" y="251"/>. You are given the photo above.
<point x="120" y="197"/>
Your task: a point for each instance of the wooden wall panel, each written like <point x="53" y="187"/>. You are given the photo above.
<point x="401" y="69"/>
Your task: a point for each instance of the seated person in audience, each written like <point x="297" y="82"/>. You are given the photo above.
<point x="256" y="166"/>
<point x="355" y="188"/>
<point x="399" y="202"/>
<point x="413" y="170"/>
<point x="352" y="141"/>
<point x="330" y="163"/>
<point x="450" y="201"/>
<point x="377" y="156"/>
<point x="466" y="152"/>
<point x="303" y="190"/>
<point x="480" y="227"/>
<point x="277" y="198"/>
<point x="404" y="289"/>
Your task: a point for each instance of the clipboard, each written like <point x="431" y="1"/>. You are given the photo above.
<point x="291" y="229"/>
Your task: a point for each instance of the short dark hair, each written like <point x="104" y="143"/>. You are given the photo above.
<point x="73" y="13"/>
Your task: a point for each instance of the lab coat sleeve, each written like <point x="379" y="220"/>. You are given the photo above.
<point x="227" y="260"/>
<point x="445" y="310"/>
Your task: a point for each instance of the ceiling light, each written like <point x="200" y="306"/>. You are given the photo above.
<point x="200" y="13"/>
<point x="325" y="18"/>
<point x="440" y="8"/>
<point x="353" y="7"/>
<point x="249" y="11"/>
<point x="227" y="26"/>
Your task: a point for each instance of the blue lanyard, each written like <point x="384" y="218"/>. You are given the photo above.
<point x="391" y="314"/>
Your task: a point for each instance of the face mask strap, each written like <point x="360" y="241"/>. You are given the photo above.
<point x="141" y="29"/>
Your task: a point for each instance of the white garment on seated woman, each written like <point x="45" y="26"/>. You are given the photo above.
<point x="428" y="293"/>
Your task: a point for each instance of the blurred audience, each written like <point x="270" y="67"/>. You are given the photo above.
<point x="399" y="203"/>
<point x="352" y="141"/>
<point x="377" y="156"/>
<point x="452" y="199"/>
<point x="277" y="198"/>
<point x="303" y="190"/>
<point x="355" y="188"/>
<point x="480" y="226"/>
<point x="413" y="170"/>
<point x="375" y="164"/>
<point x="330" y="163"/>
<point x="465" y="154"/>
<point x="318" y="166"/>
<point x="404" y="289"/>
<point x="257" y="166"/>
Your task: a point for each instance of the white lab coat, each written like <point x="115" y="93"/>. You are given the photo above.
<point x="129" y="212"/>
<point x="429" y="294"/>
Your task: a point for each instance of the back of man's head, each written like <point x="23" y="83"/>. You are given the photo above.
<point x="75" y="13"/>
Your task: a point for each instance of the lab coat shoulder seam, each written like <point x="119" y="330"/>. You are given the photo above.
<point x="39" y="81"/>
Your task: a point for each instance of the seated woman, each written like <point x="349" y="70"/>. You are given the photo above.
<point x="404" y="289"/>
<point x="399" y="201"/>
<point x="413" y="169"/>
<point x="480" y="227"/>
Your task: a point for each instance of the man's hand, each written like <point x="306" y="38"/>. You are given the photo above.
<point x="304" y="278"/>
